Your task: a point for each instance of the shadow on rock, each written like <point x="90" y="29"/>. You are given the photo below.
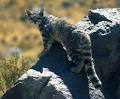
<point x="57" y="62"/>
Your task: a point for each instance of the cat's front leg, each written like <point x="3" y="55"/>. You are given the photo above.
<point x="47" y="45"/>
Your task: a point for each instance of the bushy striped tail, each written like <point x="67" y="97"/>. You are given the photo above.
<point x="91" y="73"/>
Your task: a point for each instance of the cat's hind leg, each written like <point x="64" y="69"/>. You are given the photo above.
<point x="75" y="56"/>
<point x="77" y="68"/>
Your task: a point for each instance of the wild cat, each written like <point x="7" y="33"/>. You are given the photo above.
<point x="76" y="43"/>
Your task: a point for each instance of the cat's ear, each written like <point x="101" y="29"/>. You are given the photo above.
<point x="42" y="12"/>
<point x="28" y="12"/>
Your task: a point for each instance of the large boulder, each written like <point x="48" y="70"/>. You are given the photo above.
<point x="103" y="25"/>
<point x="36" y="85"/>
<point x="54" y="75"/>
<point x="51" y="78"/>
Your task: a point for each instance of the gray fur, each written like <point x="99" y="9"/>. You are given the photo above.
<point x="76" y="43"/>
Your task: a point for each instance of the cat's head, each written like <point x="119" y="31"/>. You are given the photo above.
<point x="35" y="17"/>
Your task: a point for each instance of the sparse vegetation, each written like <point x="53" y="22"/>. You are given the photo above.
<point x="11" y="69"/>
<point x="16" y="32"/>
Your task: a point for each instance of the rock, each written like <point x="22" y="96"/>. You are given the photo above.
<point x="63" y="84"/>
<point x="36" y="85"/>
<point x="105" y="36"/>
<point x="95" y="94"/>
<point x="54" y="78"/>
<point x="96" y="17"/>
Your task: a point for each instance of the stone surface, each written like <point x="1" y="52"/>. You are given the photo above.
<point x="36" y="85"/>
<point x="105" y="37"/>
<point x="63" y="84"/>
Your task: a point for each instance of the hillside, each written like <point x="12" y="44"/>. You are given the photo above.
<point x="16" y="32"/>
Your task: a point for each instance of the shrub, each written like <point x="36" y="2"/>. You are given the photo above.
<point x="11" y="68"/>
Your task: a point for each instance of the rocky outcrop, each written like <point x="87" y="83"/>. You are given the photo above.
<point x="103" y="25"/>
<point x="36" y="85"/>
<point x="51" y="77"/>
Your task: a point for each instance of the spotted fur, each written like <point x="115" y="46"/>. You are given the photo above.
<point x="76" y="43"/>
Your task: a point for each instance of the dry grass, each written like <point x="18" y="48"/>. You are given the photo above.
<point x="16" y="33"/>
<point x="11" y="68"/>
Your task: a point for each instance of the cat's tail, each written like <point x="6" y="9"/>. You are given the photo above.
<point x="88" y="63"/>
<point x="91" y="73"/>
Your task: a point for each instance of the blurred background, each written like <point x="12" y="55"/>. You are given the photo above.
<point x="21" y="42"/>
